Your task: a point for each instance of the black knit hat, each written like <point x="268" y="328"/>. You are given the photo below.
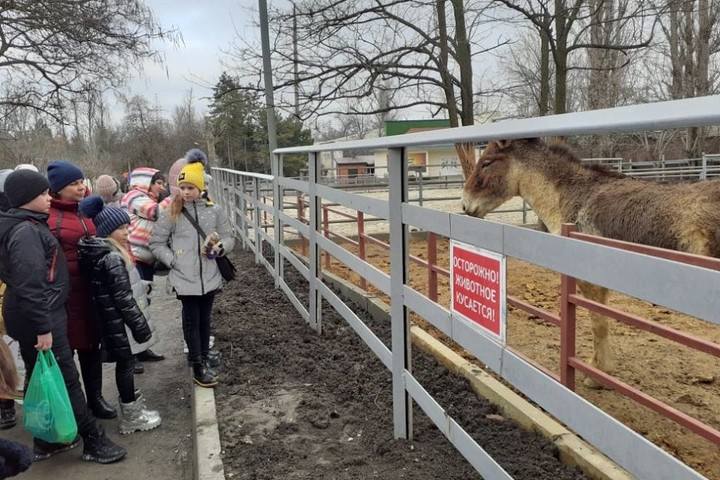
<point x="106" y="218"/>
<point x="23" y="186"/>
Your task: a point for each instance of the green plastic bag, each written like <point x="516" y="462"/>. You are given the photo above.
<point x="48" y="414"/>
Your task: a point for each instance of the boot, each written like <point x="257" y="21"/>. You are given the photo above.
<point x="91" y="369"/>
<point x="43" y="450"/>
<point x="135" y="417"/>
<point x="202" y="375"/>
<point x="213" y="358"/>
<point x="101" y="408"/>
<point x="149" y="356"/>
<point x="98" y="448"/>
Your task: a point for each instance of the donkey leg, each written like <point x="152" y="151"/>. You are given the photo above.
<point x="602" y="357"/>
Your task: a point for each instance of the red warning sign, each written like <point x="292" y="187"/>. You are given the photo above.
<point x="478" y="288"/>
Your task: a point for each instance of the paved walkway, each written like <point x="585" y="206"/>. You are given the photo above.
<point x="165" y="453"/>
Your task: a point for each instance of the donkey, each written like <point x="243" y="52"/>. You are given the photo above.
<point x="678" y="216"/>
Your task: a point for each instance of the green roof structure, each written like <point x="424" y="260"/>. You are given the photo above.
<point x="400" y="127"/>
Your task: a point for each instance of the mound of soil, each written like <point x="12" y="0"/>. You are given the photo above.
<point x="296" y="405"/>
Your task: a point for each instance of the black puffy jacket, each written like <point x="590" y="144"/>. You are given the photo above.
<point x="34" y="268"/>
<point x="114" y="305"/>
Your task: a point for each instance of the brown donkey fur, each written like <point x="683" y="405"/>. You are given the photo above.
<point x="678" y="216"/>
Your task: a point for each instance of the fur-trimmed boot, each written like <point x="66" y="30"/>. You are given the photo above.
<point x="135" y="417"/>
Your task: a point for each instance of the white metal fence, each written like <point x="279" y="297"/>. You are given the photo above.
<point x="681" y="287"/>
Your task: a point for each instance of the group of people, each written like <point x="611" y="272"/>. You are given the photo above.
<point x="78" y="269"/>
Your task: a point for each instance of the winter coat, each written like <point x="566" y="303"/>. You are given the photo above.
<point x="191" y="273"/>
<point x="34" y="269"/>
<point x="115" y="307"/>
<point x="144" y="211"/>
<point x="139" y="289"/>
<point x="2" y="320"/>
<point x="68" y="228"/>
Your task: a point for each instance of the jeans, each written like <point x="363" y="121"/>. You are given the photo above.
<point x="196" y="323"/>
<point x="64" y="356"/>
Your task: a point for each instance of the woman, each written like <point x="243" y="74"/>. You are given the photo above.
<point x="67" y="189"/>
<point x="194" y="275"/>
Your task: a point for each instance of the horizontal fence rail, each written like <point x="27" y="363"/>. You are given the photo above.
<point x="686" y="285"/>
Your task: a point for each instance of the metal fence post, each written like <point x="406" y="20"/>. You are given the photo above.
<point x="276" y="169"/>
<point x="361" y="244"/>
<point x="301" y="218"/>
<point x="326" y="232"/>
<point x="703" y="172"/>
<point x="420" y="187"/>
<point x="431" y="239"/>
<point x="402" y="405"/>
<point x="242" y="205"/>
<point x="567" y="321"/>
<point x="256" y="220"/>
<point x="315" y="300"/>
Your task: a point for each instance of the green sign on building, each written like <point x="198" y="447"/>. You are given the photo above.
<point x="400" y="127"/>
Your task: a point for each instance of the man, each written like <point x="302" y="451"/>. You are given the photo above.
<point x="33" y="267"/>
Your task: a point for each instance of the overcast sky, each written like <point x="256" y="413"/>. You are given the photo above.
<point x="207" y="29"/>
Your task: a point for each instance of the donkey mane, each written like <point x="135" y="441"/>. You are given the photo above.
<point x="567" y="155"/>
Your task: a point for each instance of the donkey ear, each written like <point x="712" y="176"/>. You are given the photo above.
<point x="503" y="143"/>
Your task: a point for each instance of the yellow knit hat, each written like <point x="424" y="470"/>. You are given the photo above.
<point x="194" y="174"/>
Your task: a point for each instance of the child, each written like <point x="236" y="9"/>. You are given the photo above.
<point x="33" y="267"/>
<point x="194" y="275"/>
<point x="116" y="287"/>
<point x="7" y="404"/>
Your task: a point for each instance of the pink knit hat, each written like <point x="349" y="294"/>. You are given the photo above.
<point x="108" y="188"/>
<point x="174" y="172"/>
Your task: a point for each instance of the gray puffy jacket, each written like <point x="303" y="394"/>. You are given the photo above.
<point x="177" y="244"/>
<point x="139" y="290"/>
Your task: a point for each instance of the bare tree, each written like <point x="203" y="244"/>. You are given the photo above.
<point x="53" y="50"/>
<point x="144" y="135"/>
<point x="417" y="52"/>
<point x="684" y="59"/>
<point x="570" y="26"/>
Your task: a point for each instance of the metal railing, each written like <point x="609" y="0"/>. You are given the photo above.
<point x="627" y="272"/>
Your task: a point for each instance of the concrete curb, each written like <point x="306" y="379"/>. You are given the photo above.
<point x="573" y="450"/>
<point x="206" y="446"/>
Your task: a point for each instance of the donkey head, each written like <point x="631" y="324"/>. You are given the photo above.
<point x="492" y="182"/>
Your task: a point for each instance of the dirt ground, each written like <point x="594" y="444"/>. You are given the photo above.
<point x="296" y="405"/>
<point x="683" y="378"/>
